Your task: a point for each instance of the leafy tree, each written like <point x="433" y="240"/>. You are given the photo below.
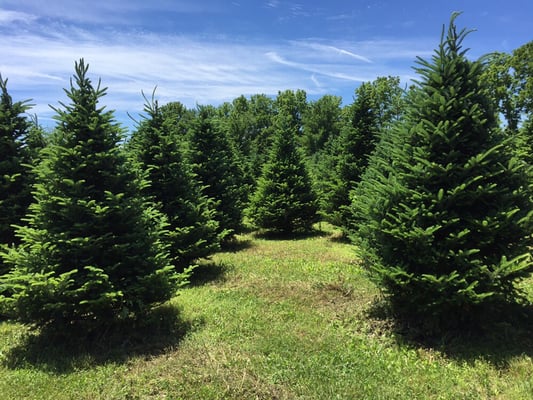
<point x="293" y="105"/>
<point x="248" y="126"/>
<point x="214" y="162"/>
<point x="523" y="67"/>
<point x="321" y="122"/>
<point x="509" y="82"/>
<point x="15" y="193"/>
<point x="445" y="208"/>
<point x="91" y="252"/>
<point x="525" y="141"/>
<point x="236" y="121"/>
<point x="284" y="199"/>
<point x="192" y="229"/>
<point x="262" y="112"/>
<point x="177" y="119"/>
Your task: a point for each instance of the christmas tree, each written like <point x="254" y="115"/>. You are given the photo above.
<point x="445" y="206"/>
<point x="91" y="252"/>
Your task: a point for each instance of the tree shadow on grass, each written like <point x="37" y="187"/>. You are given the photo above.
<point x="64" y="352"/>
<point x="236" y="244"/>
<point x="281" y="235"/>
<point x="208" y="271"/>
<point x="340" y="237"/>
<point x="499" y="339"/>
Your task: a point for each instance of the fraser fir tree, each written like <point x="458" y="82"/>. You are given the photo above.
<point x="376" y="105"/>
<point x="214" y="162"/>
<point x="284" y="199"/>
<point x="192" y="230"/>
<point x="445" y="208"/>
<point x="91" y="252"/>
<point x="346" y="156"/>
<point x="15" y="193"/>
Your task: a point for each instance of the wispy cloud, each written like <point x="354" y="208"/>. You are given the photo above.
<point x="272" y="4"/>
<point x="39" y="62"/>
<point x="326" y="70"/>
<point x="8" y="17"/>
<point x="316" y="81"/>
<point x="105" y="12"/>
<point x="329" y="48"/>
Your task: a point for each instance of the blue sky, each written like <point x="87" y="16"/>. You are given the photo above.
<point x="208" y="52"/>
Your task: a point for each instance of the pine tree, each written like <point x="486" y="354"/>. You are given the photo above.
<point x="15" y="193"/>
<point x="376" y="105"/>
<point x="346" y="156"/>
<point x="445" y="207"/>
<point x="284" y="200"/>
<point x="192" y="229"/>
<point x="214" y="163"/>
<point x="91" y="251"/>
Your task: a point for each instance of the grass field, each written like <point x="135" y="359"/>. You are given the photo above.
<point x="272" y="319"/>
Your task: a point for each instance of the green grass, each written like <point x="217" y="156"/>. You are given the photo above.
<point x="272" y="319"/>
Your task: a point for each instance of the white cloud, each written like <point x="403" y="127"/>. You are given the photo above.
<point x="316" y="81"/>
<point x="107" y="11"/>
<point x="330" y="49"/>
<point x="272" y="4"/>
<point x="40" y="61"/>
<point x="342" y="72"/>
<point x="8" y="17"/>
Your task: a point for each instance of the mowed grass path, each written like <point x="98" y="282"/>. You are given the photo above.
<point x="273" y="319"/>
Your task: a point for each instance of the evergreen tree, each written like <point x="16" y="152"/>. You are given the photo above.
<point x="36" y="140"/>
<point x="192" y="229"/>
<point x="347" y="155"/>
<point x="91" y="251"/>
<point x="376" y="105"/>
<point x="445" y="207"/>
<point x="15" y="193"/>
<point x="214" y="162"/>
<point x="284" y="199"/>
